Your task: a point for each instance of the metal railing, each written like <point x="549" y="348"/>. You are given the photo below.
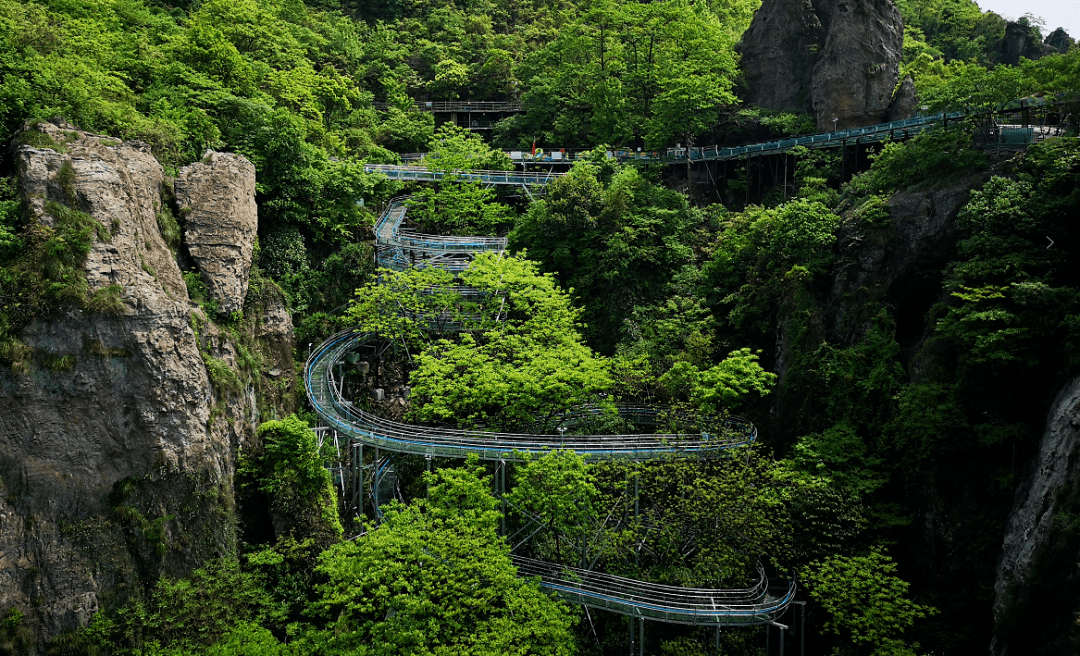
<point x="460" y="106"/>
<point x="641" y="599"/>
<point x="423" y="174"/>
<point x="372" y="430"/>
<point x="659" y="602"/>
<point x="398" y="249"/>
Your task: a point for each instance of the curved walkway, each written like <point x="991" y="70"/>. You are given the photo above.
<point x="639" y="599"/>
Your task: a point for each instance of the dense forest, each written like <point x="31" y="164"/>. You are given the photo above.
<point x="897" y="409"/>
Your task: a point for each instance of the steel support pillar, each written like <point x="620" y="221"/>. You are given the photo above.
<point x="358" y="479"/>
<point x="502" y="494"/>
<point x="641" y="636"/>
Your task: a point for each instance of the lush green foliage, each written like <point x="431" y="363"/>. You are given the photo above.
<point x="186" y="615"/>
<point x="288" y="469"/>
<point x="626" y="72"/>
<point x="951" y="29"/>
<point x="531" y="362"/>
<point x="866" y="602"/>
<point x="612" y="236"/>
<point x="458" y="208"/>
<point x="436" y="579"/>
<point x="693" y="305"/>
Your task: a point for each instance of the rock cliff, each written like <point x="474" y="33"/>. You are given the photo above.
<point x="218" y="197"/>
<point x="119" y="432"/>
<point x="884" y="264"/>
<point x="835" y="58"/>
<point x="1059" y="40"/>
<point x="1031" y="525"/>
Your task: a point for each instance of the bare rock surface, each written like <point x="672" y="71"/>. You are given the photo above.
<point x="1059" y="40"/>
<point x="833" y="58"/>
<point x="1032" y="517"/>
<point x="117" y="467"/>
<point x="922" y="229"/>
<point x="904" y="104"/>
<point x="218" y="194"/>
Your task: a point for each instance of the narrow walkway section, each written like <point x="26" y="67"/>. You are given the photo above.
<point x="374" y="431"/>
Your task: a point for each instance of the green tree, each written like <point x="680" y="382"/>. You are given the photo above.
<point x="529" y="363"/>
<point x="616" y="242"/>
<point x="458" y="208"/>
<point x="289" y="470"/>
<point x="435" y="578"/>
<point x="866" y="602"/>
<point x="557" y="491"/>
<point x="720" y="388"/>
<point x="407" y="307"/>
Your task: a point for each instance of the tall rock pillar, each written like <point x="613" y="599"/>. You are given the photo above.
<point x="837" y="59"/>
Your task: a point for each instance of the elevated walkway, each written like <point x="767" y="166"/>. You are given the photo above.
<point x="323" y="392"/>
<point x="638" y="599"/>
<point x="398" y="249"/>
<point x="459" y="106"/>
<point x="529" y="181"/>
<point x="662" y="603"/>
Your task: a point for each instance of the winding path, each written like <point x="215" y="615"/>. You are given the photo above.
<point x="760" y="604"/>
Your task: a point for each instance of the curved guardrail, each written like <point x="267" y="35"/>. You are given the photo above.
<point x="372" y="430"/>
<point x="641" y="599"/>
<point x="424" y="174"/>
<point x="662" y="603"/>
<point x="398" y="249"/>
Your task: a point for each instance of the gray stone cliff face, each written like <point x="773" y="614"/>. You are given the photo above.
<point x="1031" y="520"/>
<point x="875" y="262"/>
<point x="835" y="58"/>
<point x="118" y="468"/>
<point x="1059" y="41"/>
<point x="218" y="194"/>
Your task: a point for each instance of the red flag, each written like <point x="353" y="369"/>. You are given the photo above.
<point x="534" y="148"/>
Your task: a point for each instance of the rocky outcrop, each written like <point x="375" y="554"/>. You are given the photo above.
<point x="1059" y="41"/>
<point x="779" y="51"/>
<point x="1031" y="520"/>
<point x="1021" y="41"/>
<point x="117" y="440"/>
<point x="882" y="264"/>
<point x="218" y="197"/>
<point x="904" y="104"/>
<point x="839" y="59"/>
